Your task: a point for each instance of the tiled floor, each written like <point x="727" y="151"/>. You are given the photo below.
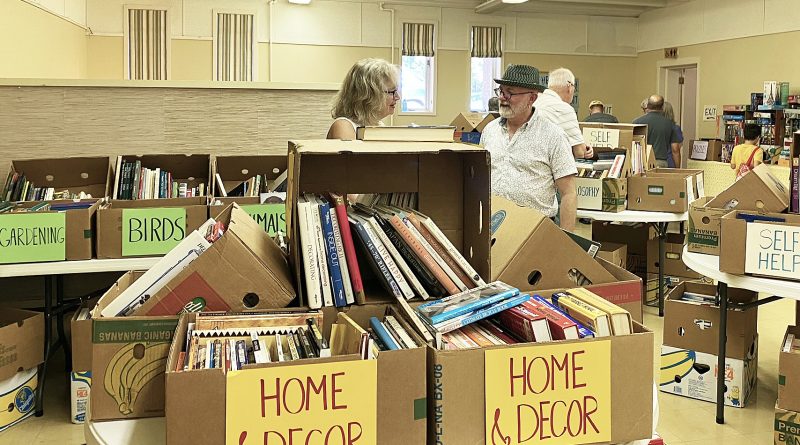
<point x="682" y="421"/>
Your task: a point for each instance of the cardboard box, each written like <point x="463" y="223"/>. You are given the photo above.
<point x="606" y="194"/>
<point x="270" y="216"/>
<point x="789" y="371"/>
<point x="48" y="235"/>
<point x="128" y="361"/>
<point x="192" y="169"/>
<point x="671" y="281"/>
<point x="787" y="427"/>
<point x="761" y="248"/>
<point x="184" y="216"/>
<point x="81" y="339"/>
<point x="18" y="397"/>
<point x="693" y="374"/>
<point x="521" y="235"/>
<point x="614" y="253"/>
<point x="90" y="175"/>
<point x="452" y="182"/>
<point x="758" y="191"/>
<point x="673" y="257"/>
<point x="665" y="190"/>
<point x="706" y="150"/>
<point x="243" y="270"/>
<point x="469" y="126"/>
<point x="704" y="227"/>
<point x="199" y="417"/>
<point x="458" y="389"/>
<point x="21" y="341"/>
<point x="634" y="236"/>
<point x="236" y="169"/>
<point x="613" y="135"/>
<point x="695" y="326"/>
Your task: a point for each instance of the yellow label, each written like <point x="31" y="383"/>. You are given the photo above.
<point x="315" y="404"/>
<point x="549" y="394"/>
<point x="19" y="402"/>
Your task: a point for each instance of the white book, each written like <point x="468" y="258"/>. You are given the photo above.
<point x="337" y="236"/>
<point x="220" y="185"/>
<point x="191" y="247"/>
<point x="157" y="182"/>
<point x="451" y="249"/>
<point x="405" y="289"/>
<point x="399" y="260"/>
<point x="432" y="252"/>
<point x="308" y="245"/>
<point x="401" y="332"/>
<point x="260" y="352"/>
<point x="322" y="256"/>
<point x="279" y="348"/>
<point x="209" y="355"/>
<point x="412" y="317"/>
<point x="292" y="347"/>
<point x="117" y="174"/>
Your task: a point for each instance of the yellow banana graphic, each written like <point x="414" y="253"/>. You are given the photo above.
<point x="676" y="365"/>
<point x="126" y="375"/>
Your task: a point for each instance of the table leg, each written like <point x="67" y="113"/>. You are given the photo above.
<point x="723" y="339"/>
<point x="661" y="228"/>
<point x="49" y="286"/>
<point x="62" y="336"/>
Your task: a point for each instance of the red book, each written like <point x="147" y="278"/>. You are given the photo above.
<point x="495" y="330"/>
<point x="561" y="327"/>
<point x="535" y="325"/>
<point x="349" y="247"/>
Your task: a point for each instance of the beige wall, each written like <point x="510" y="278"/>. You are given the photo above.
<point x="106" y="58"/>
<point x="728" y="70"/>
<point x="37" y="44"/>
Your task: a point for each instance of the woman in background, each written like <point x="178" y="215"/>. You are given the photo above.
<point x="368" y="95"/>
<point x="669" y="112"/>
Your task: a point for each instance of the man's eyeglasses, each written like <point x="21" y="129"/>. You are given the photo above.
<point x="506" y="94"/>
<point x="393" y="92"/>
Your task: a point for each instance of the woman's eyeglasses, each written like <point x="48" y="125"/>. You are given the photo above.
<point x="501" y="93"/>
<point x="393" y="92"/>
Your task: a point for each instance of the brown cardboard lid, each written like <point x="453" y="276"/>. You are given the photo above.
<point x="331" y="146"/>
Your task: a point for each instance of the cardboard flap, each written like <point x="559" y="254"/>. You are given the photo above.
<point x="235" y="169"/>
<point x="345" y="337"/>
<point x="331" y="146"/>
<point x="469" y="122"/>
<point x="632" y="388"/>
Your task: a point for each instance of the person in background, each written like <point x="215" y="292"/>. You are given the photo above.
<point x="554" y="105"/>
<point x="494" y="105"/>
<point x="597" y="113"/>
<point x="747" y="156"/>
<point x="669" y="113"/>
<point x="368" y="95"/>
<point x="660" y="132"/>
<point x="644" y="106"/>
<point x="531" y="158"/>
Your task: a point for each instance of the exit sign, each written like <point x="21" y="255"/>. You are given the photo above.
<point x="671" y="53"/>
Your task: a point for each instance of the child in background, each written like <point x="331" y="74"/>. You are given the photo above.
<point x="747" y="156"/>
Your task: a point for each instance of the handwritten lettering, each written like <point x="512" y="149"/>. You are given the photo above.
<point x="155" y="229"/>
<point x="286" y="395"/>
<point x="31" y="236"/>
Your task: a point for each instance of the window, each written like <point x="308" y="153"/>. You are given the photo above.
<point x="234" y="46"/>
<point x="146" y="43"/>
<point x="417" y="71"/>
<point x="485" y="66"/>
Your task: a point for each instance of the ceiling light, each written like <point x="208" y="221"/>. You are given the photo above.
<point x="305" y="2"/>
<point x="508" y="1"/>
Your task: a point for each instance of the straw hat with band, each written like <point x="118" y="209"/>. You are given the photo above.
<point x="523" y="76"/>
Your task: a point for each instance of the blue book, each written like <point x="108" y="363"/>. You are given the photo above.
<point x="383" y="334"/>
<point x="480" y="314"/>
<point x="465" y="302"/>
<point x="377" y="263"/>
<point x="583" y="331"/>
<point x="339" y="298"/>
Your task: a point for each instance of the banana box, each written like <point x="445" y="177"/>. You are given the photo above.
<point x="693" y="374"/>
<point x="18" y="394"/>
<point x="79" y="387"/>
<point x="129" y="356"/>
<point x="787" y="427"/>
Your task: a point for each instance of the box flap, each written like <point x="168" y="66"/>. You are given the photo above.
<point x="323" y="146"/>
<point x="21" y="341"/>
<point x="89" y="174"/>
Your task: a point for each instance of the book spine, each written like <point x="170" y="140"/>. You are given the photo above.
<point x="377" y="260"/>
<point x="473" y="306"/>
<point x="337" y="284"/>
<point x="425" y="277"/>
<point x="309" y="256"/>
<point x="460" y="287"/>
<point x="483" y="313"/>
<point x="795" y="197"/>
<point x="462" y="278"/>
<point x="307" y="348"/>
<point x="517" y="324"/>
<point x="400" y="271"/>
<point x="583" y="331"/>
<point x="337" y="236"/>
<point x="383" y="334"/>
<point x="462" y="262"/>
<point x="400" y="331"/>
<point x="349" y="251"/>
<point x="319" y="237"/>
<point x="423" y="255"/>
<point x="582" y="313"/>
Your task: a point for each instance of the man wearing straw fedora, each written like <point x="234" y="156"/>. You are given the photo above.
<point x="531" y="158"/>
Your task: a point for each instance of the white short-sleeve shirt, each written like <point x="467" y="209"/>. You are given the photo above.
<point x="550" y="105"/>
<point x="526" y="166"/>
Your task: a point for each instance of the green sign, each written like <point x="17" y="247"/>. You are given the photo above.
<point x="271" y="217"/>
<point x="30" y="237"/>
<point x="152" y="231"/>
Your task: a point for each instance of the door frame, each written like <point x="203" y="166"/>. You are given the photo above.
<point x="662" y="66"/>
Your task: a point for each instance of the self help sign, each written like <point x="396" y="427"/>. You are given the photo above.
<point x="549" y="393"/>
<point x="333" y="403"/>
<point x="773" y="249"/>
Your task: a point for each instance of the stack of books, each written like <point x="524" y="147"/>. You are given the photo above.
<point x="230" y="341"/>
<point x="20" y="188"/>
<point x="132" y="181"/>
<point x="255" y="186"/>
<point x="406" y="251"/>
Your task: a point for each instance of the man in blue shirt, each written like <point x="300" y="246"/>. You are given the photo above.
<point x="661" y="132"/>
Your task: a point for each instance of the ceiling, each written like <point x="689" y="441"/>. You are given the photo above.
<point x="610" y="8"/>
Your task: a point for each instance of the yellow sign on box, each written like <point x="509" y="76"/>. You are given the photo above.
<point x="549" y="394"/>
<point x="324" y="403"/>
